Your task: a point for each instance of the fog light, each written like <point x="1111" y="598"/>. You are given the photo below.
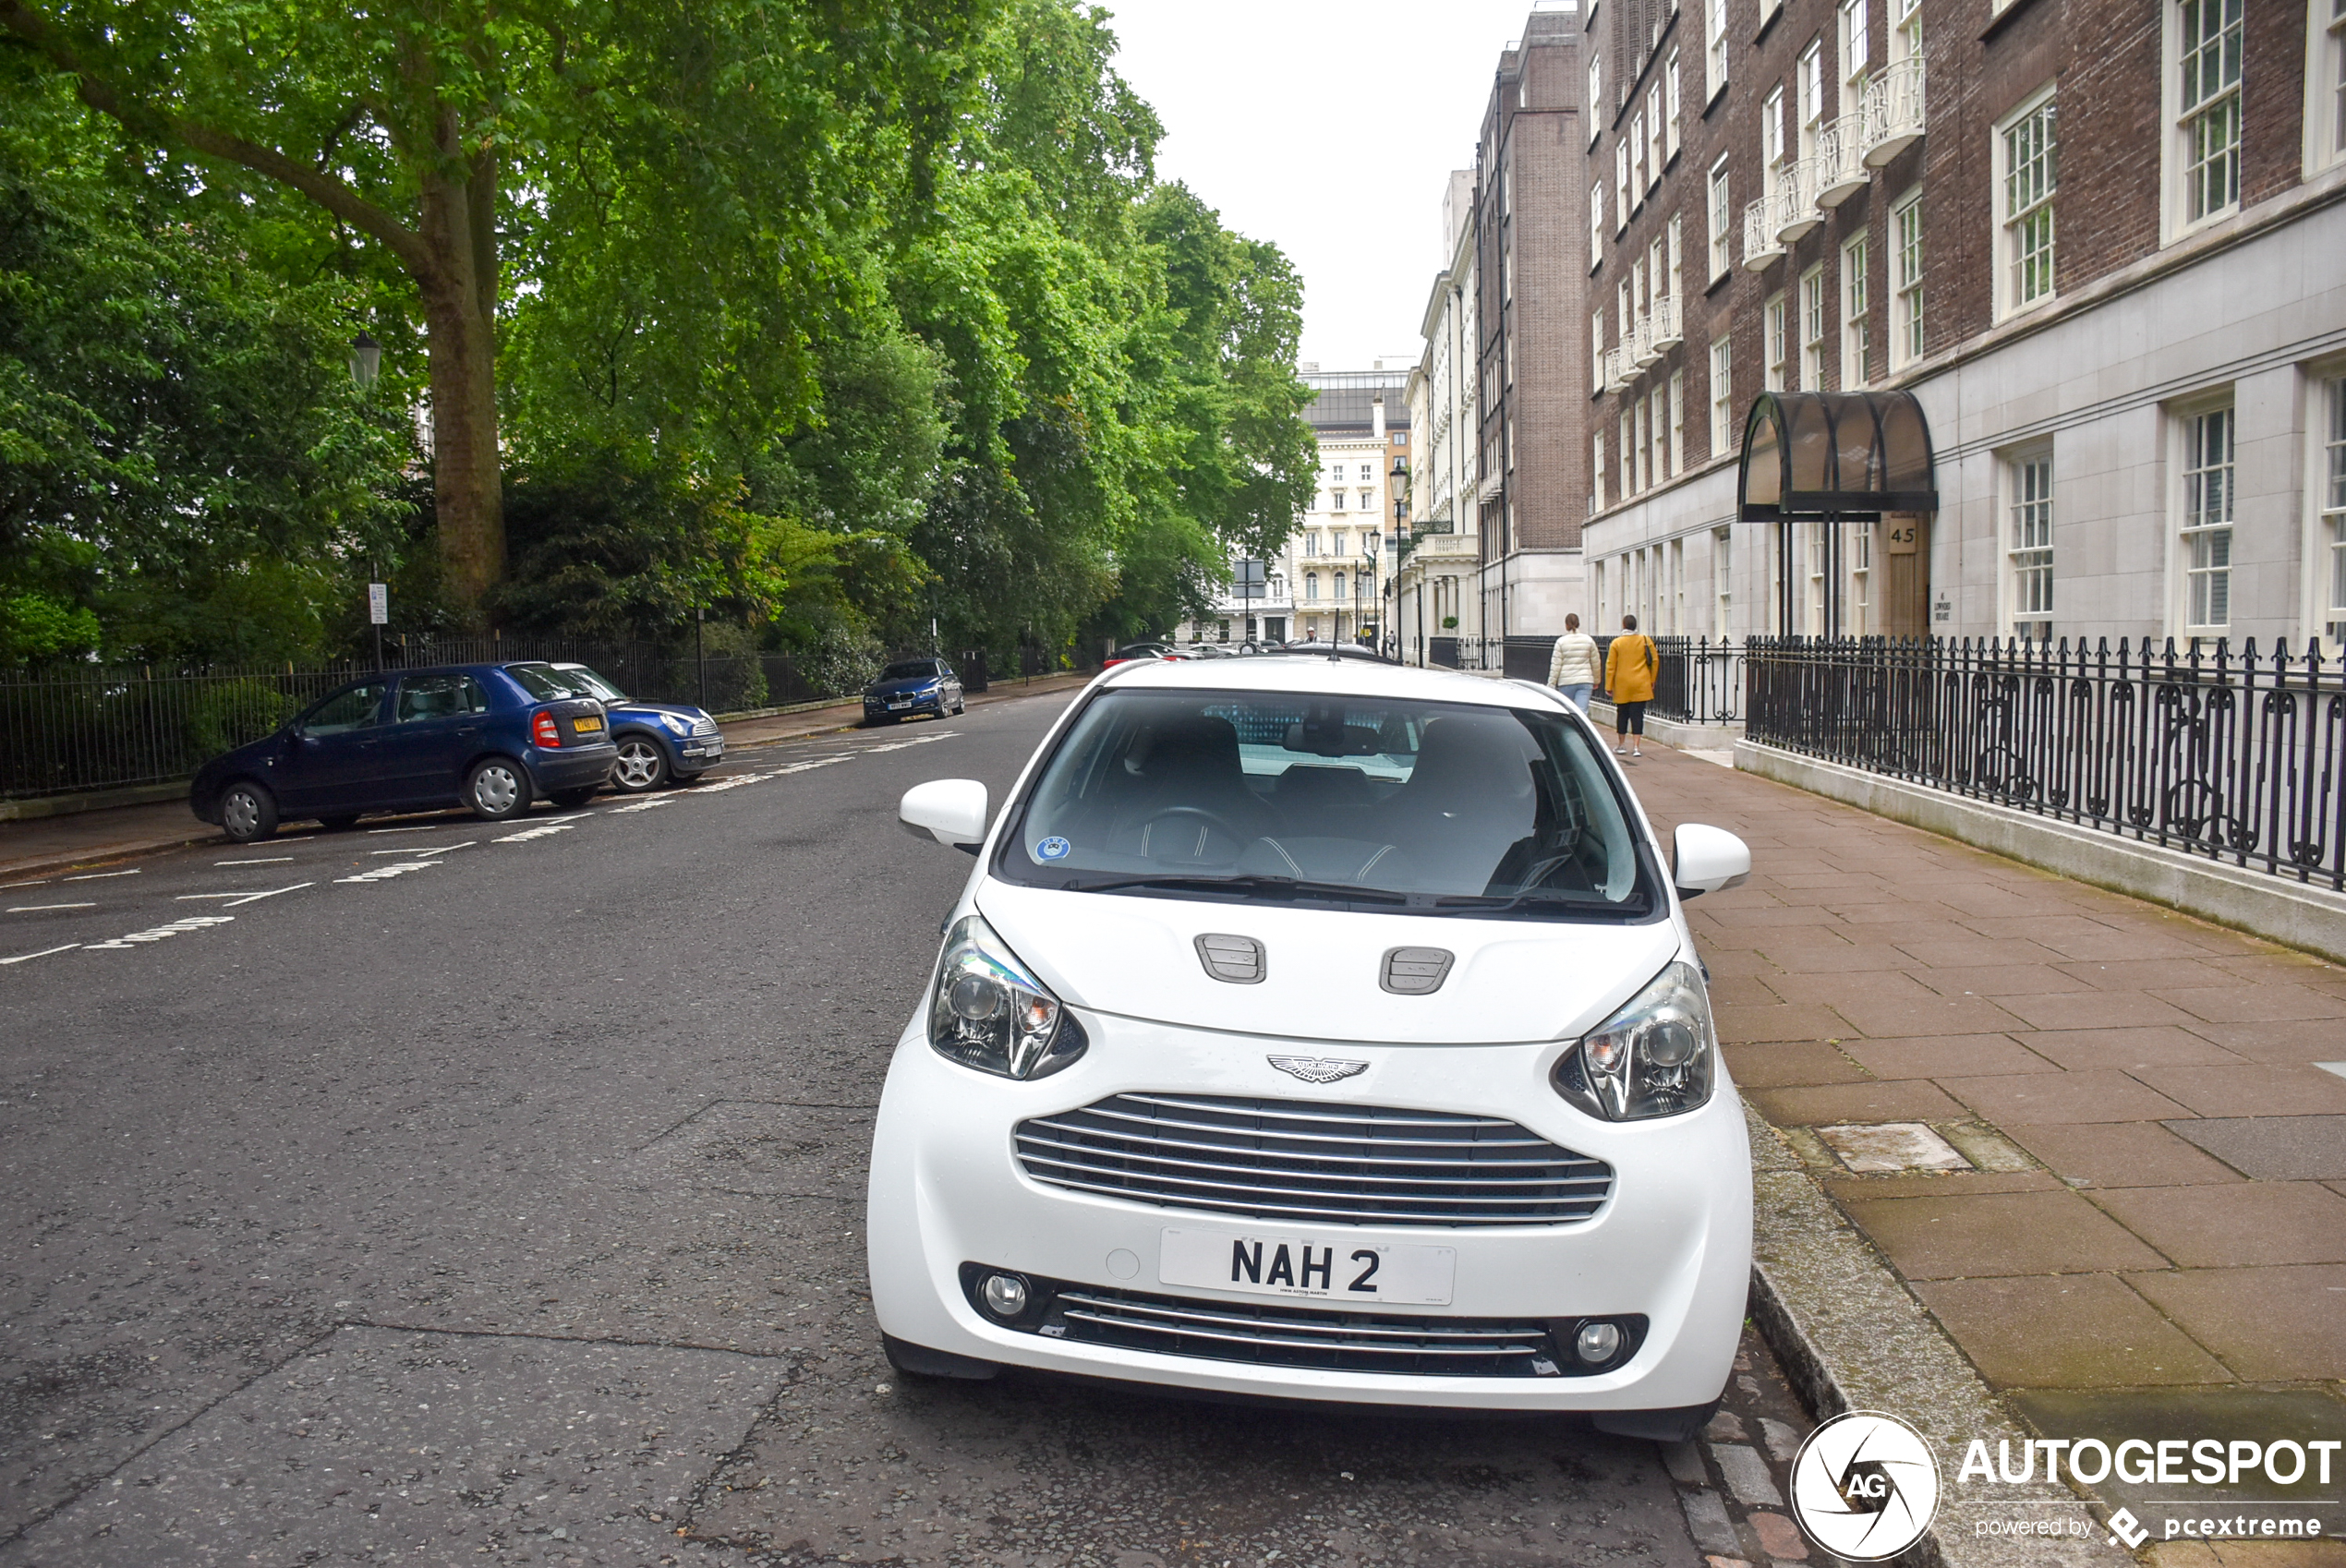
<point x="1595" y="1344"/>
<point x="1006" y="1295"/>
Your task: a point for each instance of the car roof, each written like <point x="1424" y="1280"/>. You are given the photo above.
<point x="1333" y="677"/>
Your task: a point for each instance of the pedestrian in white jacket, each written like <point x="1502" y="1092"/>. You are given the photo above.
<point x="1573" y="668"/>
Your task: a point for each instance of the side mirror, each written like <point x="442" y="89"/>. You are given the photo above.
<point x="952" y="810"/>
<point x="1709" y="860"/>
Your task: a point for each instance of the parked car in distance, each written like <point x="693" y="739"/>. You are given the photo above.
<point x="1320" y="1028"/>
<point x="658" y="743"/>
<point x="1131" y="651"/>
<point x="912" y="686"/>
<point x="491" y="737"/>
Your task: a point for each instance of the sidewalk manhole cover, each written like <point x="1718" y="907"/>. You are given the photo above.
<point x="1891" y="1146"/>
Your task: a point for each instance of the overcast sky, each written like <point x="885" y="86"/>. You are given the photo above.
<point x="1328" y="128"/>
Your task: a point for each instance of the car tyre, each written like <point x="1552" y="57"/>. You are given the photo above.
<point x="498" y="789"/>
<point x="642" y="766"/>
<point x="571" y="800"/>
<point x="920" y="1361"/>
<point x="340" y="823"/>
<point x="248" y="812"/>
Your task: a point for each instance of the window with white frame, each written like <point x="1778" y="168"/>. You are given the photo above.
<point x="1596" y="97"/>
<point x="1625" y="316"/>
<point x="2206" y="525"/>
<point x="1861" y="579"/>
<point x="1678" y="423"/>
<point x="2028" y="545"/>
<point x="1722" y="398"/>
<point x="1812" y="328"/>
<point x="1721" y="213"/>
<point x="1777" y="344"/>
<point x="2325" y="85"/>
<point x="1596" y="225"/>
<point x="1650" y="276"/>
<point x="1857" y="323"/>
<point x="1336" y="500"/>
<point x="1658" y="436"/>
<point x="1311" y="543"/>
<point x="1596" y="471"/>
<point x="2206" y="39"/>
<point x="1810" y="84"/>
<point x="1771" y="134"/>
<point x="1905" y="281"/>
<point x="1906" y="31"/>
<point x="1635" y="145"/>
<point x="2028" y="170"/>
<point x="1596" y="351"/>
<point x="1673" y="108"/>
<point x="1722" y="582"/>
<point x="1310" y="588"/>
<point x="1628" y="454"/>
<point x="2331" y="545"/>
<point x="1620" y="186"/>
<point x="1856" y="55"/>
<point x="1715" y="49"/>
<point x="1653" y="135"/>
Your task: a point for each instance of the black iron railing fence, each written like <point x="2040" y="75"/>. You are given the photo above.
<point x="2231" y="755"/>
<point x="1696" y="680"/>
<point x="121" y="727"/>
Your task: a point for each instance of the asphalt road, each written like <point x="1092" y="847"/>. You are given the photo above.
<point x="451" y="1192"/>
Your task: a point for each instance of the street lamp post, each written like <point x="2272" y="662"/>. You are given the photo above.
<point x="365" y="361"/>
<point x="1396" y="543"/>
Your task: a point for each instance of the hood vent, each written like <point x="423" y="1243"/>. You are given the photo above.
<point x="1414" y="971"/>
<point x="1238" y="959"/>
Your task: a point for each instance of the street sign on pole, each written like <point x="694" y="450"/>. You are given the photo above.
<point x="1246" y="579"/>
<point x="379" y="604"/>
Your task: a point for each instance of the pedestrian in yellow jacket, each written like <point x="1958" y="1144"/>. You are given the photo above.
<point x="1629" y="668"/>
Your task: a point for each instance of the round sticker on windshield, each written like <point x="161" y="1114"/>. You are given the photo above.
<point x="1053" y="848"/>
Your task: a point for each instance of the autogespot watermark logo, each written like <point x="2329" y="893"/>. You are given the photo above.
<point x="1865" y="1486"/>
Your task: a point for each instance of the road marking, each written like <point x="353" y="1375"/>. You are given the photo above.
<point x="643" y="806"/>
<point x="96" y="875"/>
<point x="915" y="740"/>
<point x="36" y="882"/>
<point x="184" y="897"/>
<point x="157" y="934"/>
<point x="30" y="908"/>
<point x="259" y="860"/>
<point x="270" y="893"/>
<point x="818" y="762"/>
<point x="385" y="872"/>
<point x="420" y="828"/>
<point x="419" y="850"/>
<point x="528" y="833"/>
<point x="736" y="781"/>
<point x="24" y="957"/>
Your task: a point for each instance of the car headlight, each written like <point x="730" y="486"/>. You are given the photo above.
<point x="986" y="1011"/>
<point x="676" y="726"/>
<point x="1658" y="1056"/>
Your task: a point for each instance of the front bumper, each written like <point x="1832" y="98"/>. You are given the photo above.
<point x="1672" y="1244"/>
<point x="570" y="767"/>
<point x="898" y="707"/>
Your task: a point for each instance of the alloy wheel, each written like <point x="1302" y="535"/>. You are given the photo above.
<point x="639" y="766"/>
<point x="240" y="813"/>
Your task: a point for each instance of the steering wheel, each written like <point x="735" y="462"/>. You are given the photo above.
<point x="1210" y="818"/>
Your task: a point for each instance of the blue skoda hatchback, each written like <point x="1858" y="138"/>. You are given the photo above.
<point x="492" y="737"/>
<point x="910" y="686"/>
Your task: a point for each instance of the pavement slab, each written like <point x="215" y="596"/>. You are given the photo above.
<point x="2119" y="1153"/>
<point x="2236" y="1225"/>
<point x="2270" y="1325"/>
<point x="2303" y="1148"/>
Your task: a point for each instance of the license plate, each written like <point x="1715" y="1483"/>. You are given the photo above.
<point x="899" y="705"/>
<point x="587" y="726"/>
<point x="1322" y="1268"/>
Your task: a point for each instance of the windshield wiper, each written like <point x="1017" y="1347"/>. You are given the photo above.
<point x="1500" y="903"/>
<point x="1260" y="887"/>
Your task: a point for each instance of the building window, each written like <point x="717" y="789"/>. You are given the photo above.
<point x="1906" y="31"/>
<point x="1812" y="328"/>
<point x="1721" y="210"/>
<point x="1810" y="86"/>
<point x="2207" y="520"/>
<point x="1861" y="579"/>
<point x="1771" y="134"/>
<point x="1312" y="587"/>
<point x="1596" y="351"/>
<point x="1635" y="145"/>
<point x="2026" y="158"/>
<point x="1596" y="97"/>
<point x="1596" y="471"/>
<point x="1714" y="51"/>
<point x="1620" y="186"/>
<point x="1678" y="259"/>
<point x="1661" y="433"/>
<point x="1335" y="503"/>
<point x="1630" y="453"/>
<point x="1338" y="580"/>
<point x="2028" y="546"/>
<point x="2326" y="86"/>
<point x="2208" y="36"/>
<point x="1722" y="582"/>
<point x="1596" y="225"/>
<point x="1653" y="135"/>
<point x="1857" y="325"/>
<point x="1722" y="398"/>
<point x="1670" y="98"/>
<point x="1857" y="56"/>
<point x="2333" y="504"/>
<point x="1311" y="544"/>
<point x="1777" y="344"/>
<point x="1905" y="281"/>
<point x="1678" y="424"/>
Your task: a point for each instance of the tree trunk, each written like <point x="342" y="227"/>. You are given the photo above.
<point x="461" y="331"/>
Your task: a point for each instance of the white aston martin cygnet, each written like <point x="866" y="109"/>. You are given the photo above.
<point x="1321" y="1030"/>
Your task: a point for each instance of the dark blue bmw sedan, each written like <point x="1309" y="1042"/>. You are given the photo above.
<point x="910" y="686"/>
<point x="492" y="736"/>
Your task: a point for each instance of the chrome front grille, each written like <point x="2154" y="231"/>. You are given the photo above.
<point x="1291" y="1336"/>
<point x="1304" y="1161"/>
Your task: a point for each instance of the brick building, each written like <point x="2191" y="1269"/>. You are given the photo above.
<point x="2098" y="240"/>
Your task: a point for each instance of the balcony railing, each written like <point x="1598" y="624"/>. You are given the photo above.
<point x="1759" y="242"/>
<point x="1840" y="159"/>
<point x="1642" y="351"/>
<point x="1894" y="112"/>
<point x="1667" y="333"/>
<point x="1617" y="370"/>
<point x="1793" y="204"/>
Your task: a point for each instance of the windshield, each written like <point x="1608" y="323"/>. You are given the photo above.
<point x="1412" y="806"/>
<point x="911" y="669"/>
<point x="547" y="683"/>
<point x="595" y="685"/>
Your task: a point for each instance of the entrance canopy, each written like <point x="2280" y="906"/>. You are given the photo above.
<point x="1808" y="457"/>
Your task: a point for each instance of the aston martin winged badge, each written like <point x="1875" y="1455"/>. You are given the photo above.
<point x="1317" y="1069"/>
